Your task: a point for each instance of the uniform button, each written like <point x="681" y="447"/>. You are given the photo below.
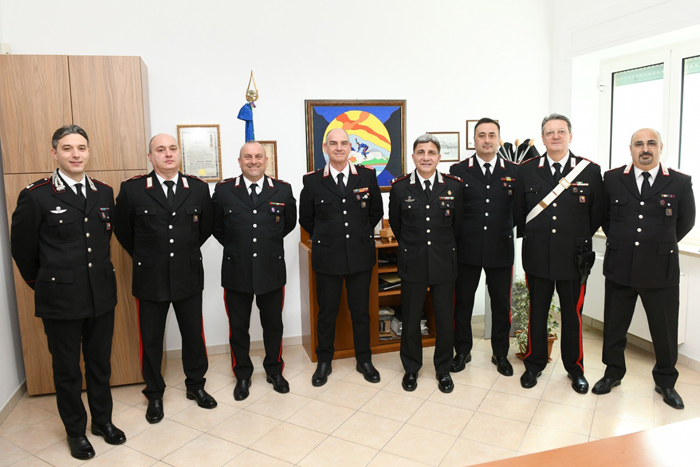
<point x="427" y="207"/>
<point x="86" y="219"/>
<point x="554" y="218"/>
<point x="343" y="201"/>
<point x="255" y="211"/>
<point x="255" y="255"/>
<point x="641" y="216"/>
<point x="255" y="240"/>
<point x="53" y="278"/>
<point x="345" y="212"/>
<point x="554" y="230"/>
<point x="347" y="235"/>
<point x="321" y="201"/>
<point x="636" y="243"/>
<point x="488" y="186"/>
<point x="173" y="213"/>
<point x="60" y="221"/>
<point x="139" y="263"/>
<point x="172" y="255"/>
<point x="427" y="231"/>
<point x="318" y="241"/>
<point x="346" y="224"/>
<point x="641" y="203"/>
<point x="486" y="228"/>
<point x="427" y="219"/>
<point x="487" y="214"/>
<point x="172" y="240"/>
<point x="429" y="243"/>
<point x="170" y="227"/>
<point x="255" y="226"/>
<point x="671" y="251"/>
<point x="89" y="265"/>
<point x="87" y="235"/>
<point x="89" y="250"/>
<point x="145" y="211"/>
<point x="488" y="200"/>
<point x="554" y="204"/>
<point x="639" y="229"/>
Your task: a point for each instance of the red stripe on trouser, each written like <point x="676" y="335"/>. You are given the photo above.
<point x="233" y="357"/>
<point x="279" y="357"/>
<point x="529" y="320"/>
<point x="579" y="306"/>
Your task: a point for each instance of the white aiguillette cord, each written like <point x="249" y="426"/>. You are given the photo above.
<point x="563" y="184"/>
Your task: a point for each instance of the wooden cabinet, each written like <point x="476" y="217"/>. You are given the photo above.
<point x="344" y="347"/>
<point x="107" y="96"/>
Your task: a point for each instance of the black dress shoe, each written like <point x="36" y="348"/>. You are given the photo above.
<point x="109" y="432"/>
<point x="154" y="412"/>
<point x="605" y="385"/>
<point x="80" y="447"/>
<point x="204" y="400"/>
<point x="529" y="379"/>
<point x="410" y="382"/>
<point x="242" y="389"/>
<point x="279" y="384"/>
<point x="502" y="365"/>
<point x="459" y="362"/>
<point x="320" y="376"/>
<point x="579" y="384"/>
<point x="671" y="397"/>
<point x="369" y="372"/>
<point x="445" y="383"/>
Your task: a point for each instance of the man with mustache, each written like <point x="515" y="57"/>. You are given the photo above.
<point x="650" y="209"/>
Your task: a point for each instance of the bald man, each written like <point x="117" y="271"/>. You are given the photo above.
<point x="162" y="219"/>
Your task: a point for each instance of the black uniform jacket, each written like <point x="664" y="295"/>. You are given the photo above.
<point x="643" y="233"/>
<point x="253" y="236"/>
<point x="426" y="228"/>
<point x="341" y="225"/>
<point x="565" y="228"/>
<point x="164" y="245"/>
<point x="62" y="248"/>
<point x="486" y="236"/>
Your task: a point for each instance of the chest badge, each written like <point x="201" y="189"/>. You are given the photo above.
<point x="59" y="210"/>
<point x="409" y="199"/>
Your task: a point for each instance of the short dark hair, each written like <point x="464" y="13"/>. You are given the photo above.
<point x="487" y="120"/>
<point x="426" y="138"/>
<point x="554" y="116"/>
<point x="68" y="130"/>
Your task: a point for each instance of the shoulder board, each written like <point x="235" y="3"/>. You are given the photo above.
<point x="459" y="163"/>
<point x="616" y="168"/>
<point x="226" y="180"/>
<point x="530" y="160"/>
<point x="100" y="182"/>
<point x="36" y="184"/>
<point x="677" y="171"/>
<point x="453" y="177"/>
<point x="135" y="177"/>
<point x="280" y="181"/>
<point x="195" y="178"/>
<point x="510" y="162"/>
<point x="365" y="167"/>
<point x="587" y="160"/>
<point x="400" y="178"/>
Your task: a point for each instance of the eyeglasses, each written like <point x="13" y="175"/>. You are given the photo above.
<point x="550" y="134"/>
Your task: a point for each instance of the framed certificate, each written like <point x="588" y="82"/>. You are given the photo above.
<point x="271" y="153"/>
<point x="200" y="146"/>
<point x="449" y="145"/>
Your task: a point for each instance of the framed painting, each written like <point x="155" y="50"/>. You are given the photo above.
<point x="377" y="131"/>
<point x="449" y="145"/>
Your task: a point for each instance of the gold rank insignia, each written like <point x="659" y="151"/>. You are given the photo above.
<point x="449" y="192"/>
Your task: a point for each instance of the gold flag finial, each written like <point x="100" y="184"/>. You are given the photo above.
<point x="252" y="95"/>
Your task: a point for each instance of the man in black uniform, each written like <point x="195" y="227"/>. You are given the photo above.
<point x="252" y="215"/>
<point x="162" y="219"/>
<point x="485" y="242"/>
<point x="340" y="205"/>
<point x="425" y="213"/>
<point x="558" y="206"/>
<point x="650" y="209"/>
<point x="60" y="241"/>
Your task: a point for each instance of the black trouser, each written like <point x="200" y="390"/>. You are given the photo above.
<point x="65" y="337"/>
<point x="498" y="282"/>
<point x="661" y="307"/>
<point x="328" y="292"/>
<point x="412" y="306"/>
<point x="152" y="318"/>
<point x="238" y="309"/>
<point x="571" y="294"/>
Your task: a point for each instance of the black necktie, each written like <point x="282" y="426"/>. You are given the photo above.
<point x="487" y="172"/>
<point x="646" y="186"/>
<point x="254" y="193"/>
<point x="79" y="192"/>
<point x="427" y="188"/>
<point x="171" y="194"/>
<point x="341" y="185"/>
<point x="557" y="171"/>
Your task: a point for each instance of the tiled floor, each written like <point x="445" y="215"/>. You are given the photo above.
<point x="351" y="422"/>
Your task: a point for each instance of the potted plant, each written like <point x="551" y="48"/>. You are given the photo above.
<point x="520" y="317"/>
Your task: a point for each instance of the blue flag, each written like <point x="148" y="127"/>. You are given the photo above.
<point x="246" y="114"/>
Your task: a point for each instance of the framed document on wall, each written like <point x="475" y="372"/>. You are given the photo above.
<point x="200" y="146"/>
<point x="271" y="153"/>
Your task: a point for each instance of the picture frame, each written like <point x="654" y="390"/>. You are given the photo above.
<point x="449" y="145"/>
<point x="271" y="153"/>
<point x="200" y="146"/>
<point x="377" y="130"/>
<point x="471" y="125"/>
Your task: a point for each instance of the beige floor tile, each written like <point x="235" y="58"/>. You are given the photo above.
<point x="23" y="416"/>
<point x="481" y="357"/>
<point x="386" y="376"/>
<point x="301" y="385"/>
<point x="384" y="459"/>
<point x="31" y="461"/>
<point x="562" y="393"/>
<point x="508" y="405"/>
<point x="421" y="445"/>
<point x="443" y="418"/>
<point x="258" y="389"/>
<point x="687" y="375"/>
<point x="663" y="414"/>
<point x="635" y="385"/>
<point x="174" y="402"/>
<point x="162" y="439"/>
<point x="51" y="431"/>
<point x="334" y="451"/>
<point x="476" y="376"/>
<point x="618" y="403"/>
<point x="215" y="382"/>
<point x="348" y="395"/>
<point x="563" y="417"/>
<point x="47" y="402"/>
<point x="244" y="428"/>
<point x="58" y="454"/>
<point x="388" y="361"/>
<point x="9" y="453"/>
<point x="690" y="393"/>
<point x="639" y="367"/>
<point x="464" y="397"/>
<point x="356" y="429"/>
<point x="296" y="357"/>
<point x="250" y="458"/>
<point x="467" y="452"/>
<point x="130" y="394"/>
<point x="120" y="456"/>
<point x="223" y="368"/>
<point x="132" y="422"/>
<point x="426" y="386"/>
<point x="205" y="450"/>
<point x="496" y="431"/>
<point x="606" y="425"/>
<point x="390" y="405"/>
<point x="340" y="368"/>
<point x="321" y="416"/>
<point x="539" y="438"/>
<point x="289" y="442"/>
<point x="204" y="419"/>
<point x="279" y="406"/>
<point x="511" y="385"/>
